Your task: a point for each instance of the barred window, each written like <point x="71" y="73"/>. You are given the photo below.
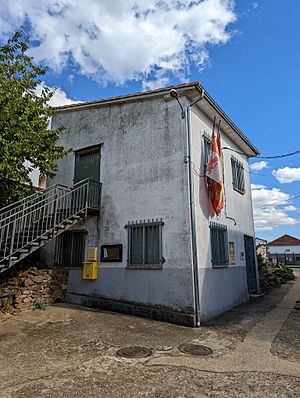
<point x="219" y="245"/>
<point x="238" y="178"/>
<point x="69" y="249"/>
<point x="206" y="149"/>
<point x="145" y="244"/>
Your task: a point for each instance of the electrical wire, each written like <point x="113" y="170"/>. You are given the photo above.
<point x="265" y="157"/>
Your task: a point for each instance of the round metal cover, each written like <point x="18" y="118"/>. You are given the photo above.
<point x="134" y="352"/>
<point x="195" y="349"/>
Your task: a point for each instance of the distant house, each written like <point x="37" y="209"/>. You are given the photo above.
<point x="284" y="250"/>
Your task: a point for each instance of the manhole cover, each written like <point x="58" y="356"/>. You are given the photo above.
<point x="134" y="352"/>
<point x="195" y="349"/>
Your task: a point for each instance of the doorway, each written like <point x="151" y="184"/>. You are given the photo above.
<point x="250" y="263"/>
<point x="87" y="164"/>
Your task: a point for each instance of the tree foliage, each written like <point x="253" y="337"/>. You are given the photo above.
<point x="24" y="120"/>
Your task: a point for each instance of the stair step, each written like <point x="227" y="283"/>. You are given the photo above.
<point x="24" y="251"/>
<point x="68" y="222"/>
<point x="33" y="244"/>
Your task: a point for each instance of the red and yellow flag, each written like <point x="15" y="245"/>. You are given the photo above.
<point x="214" y="173"/>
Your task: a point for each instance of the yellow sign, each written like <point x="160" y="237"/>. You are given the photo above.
<point x="90" y="270"/>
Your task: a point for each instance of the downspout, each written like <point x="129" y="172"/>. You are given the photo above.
<point x="186" y="114"/>
<point x="192" y="205"/>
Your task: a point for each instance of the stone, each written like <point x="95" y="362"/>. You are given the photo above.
<point x="27" y="282"/>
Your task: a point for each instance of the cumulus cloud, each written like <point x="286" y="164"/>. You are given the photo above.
<point x="59" y="98"/>
<point x="259" y="165"/>
<point x="287" y="174"/>
<point x="270" y="208"/>
<point x="120" y="40"/>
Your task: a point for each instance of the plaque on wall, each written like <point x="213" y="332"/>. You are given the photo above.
<point x="111" y="253"/>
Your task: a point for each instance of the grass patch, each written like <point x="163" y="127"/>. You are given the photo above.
<point x="40" y="305"/>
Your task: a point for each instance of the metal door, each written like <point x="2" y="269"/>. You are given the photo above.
<point x="250" y="263"/>
<point x="87" y="164"/>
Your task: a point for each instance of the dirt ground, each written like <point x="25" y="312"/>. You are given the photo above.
<point x="70" y="351"/>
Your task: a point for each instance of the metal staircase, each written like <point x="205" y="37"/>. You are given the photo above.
<point x="28" y="224"/>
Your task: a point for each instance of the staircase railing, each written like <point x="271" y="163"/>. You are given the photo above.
<point x="36" y="218"/>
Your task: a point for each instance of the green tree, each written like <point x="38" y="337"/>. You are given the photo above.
<point x="24" y="120"/>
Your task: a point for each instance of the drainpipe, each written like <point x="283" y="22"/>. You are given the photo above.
<point x="186" y="114"/>
<point x="192" y="206"/>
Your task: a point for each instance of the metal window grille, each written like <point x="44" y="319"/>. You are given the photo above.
<point x="238" y="177"/>
<point x="145" y="244"/>
<point x="206" y="149"/>
<point x="219" y="245"/>
<point x="69" y="249"/>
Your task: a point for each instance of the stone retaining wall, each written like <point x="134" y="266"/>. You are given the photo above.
<point x="33" y="288"/>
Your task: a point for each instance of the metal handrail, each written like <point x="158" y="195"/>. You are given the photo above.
<point x="42" y="218"/>
<point x="19" y="209"/>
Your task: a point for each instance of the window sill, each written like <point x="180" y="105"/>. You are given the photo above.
<point x="239" y="191"/>
<point x="144" y="267"/>
<point x="220" y="266"/>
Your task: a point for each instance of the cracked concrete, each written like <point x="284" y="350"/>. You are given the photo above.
<point x="68" y="351"/>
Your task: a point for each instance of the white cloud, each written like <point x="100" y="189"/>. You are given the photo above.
<point x="270" y="208"/>
<point x="59" y="98"/>
<point x="257" y="186"/>
<point x="259" y="165"/>
<point x="290" y="208"/>
<point x="255" y="5"/>
<point x="119" y="40"/>
<point x="287" y="174"/>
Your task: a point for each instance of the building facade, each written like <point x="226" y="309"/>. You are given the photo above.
<point x="284" y="250"/>
<point x="161" y="251"/>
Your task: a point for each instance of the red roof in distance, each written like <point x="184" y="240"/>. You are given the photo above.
<point x="285" y="240"/>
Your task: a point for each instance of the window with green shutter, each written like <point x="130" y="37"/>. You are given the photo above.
<point x="238" y="177"/>
<point x="206" y="149"/>
<point x="219" y="245"/>
<point x="145" y="244"/>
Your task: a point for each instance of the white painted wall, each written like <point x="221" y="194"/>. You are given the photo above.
<point x="221" y="288"/>
<point x="284" y="249"/>
<point x="143" y="176"/>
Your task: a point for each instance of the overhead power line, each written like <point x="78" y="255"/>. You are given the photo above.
<point x="285" y="155"/>
<point x="279" y="156"/>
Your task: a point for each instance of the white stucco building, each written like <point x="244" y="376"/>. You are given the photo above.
<point x="162" y="253"/>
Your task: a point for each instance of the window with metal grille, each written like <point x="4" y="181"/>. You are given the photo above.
<point x="238" y="177"/>
<point x="219" y="245"/>
<point x="69" y="249"/>
<point x="145" y="244"/>
<point x="206" y="149"/>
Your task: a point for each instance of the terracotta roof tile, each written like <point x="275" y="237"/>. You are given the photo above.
<point x="285" y="240"/>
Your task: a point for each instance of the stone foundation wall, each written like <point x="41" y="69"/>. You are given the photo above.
<point x="33" y="288"/>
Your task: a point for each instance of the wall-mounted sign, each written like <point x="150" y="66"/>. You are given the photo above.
<point x="231" y="253"/>
<point x="112" y="253"/>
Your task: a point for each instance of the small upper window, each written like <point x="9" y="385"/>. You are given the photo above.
<point x="238" y="177"/>
<point x="206" y="149"/>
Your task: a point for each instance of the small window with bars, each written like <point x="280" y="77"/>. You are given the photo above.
<point x="145" y="244"/>
<point x="238" y="177"/>
<point x="206" y="149"/>
<point x="69" y="249"/>
<point x="219" y="245"/>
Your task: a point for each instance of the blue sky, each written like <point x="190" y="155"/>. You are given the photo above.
<point x="246" y="54"/>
